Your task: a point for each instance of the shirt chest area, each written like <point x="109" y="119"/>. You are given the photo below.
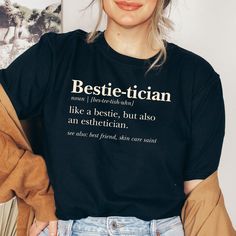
<point x="108" y="104"/>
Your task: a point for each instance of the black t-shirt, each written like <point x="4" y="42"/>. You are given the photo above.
<point x="117" y="142"/>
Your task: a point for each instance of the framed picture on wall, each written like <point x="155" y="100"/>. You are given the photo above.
<point x="22" y="22"/>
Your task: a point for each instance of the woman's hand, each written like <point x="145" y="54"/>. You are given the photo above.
<point x="39" y="226"/>
<point x="190" y="185"/>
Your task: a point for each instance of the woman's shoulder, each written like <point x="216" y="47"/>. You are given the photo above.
<point x="62" y="39"/>
<point x="189" y="60"/>
<point x="189" y="57"/>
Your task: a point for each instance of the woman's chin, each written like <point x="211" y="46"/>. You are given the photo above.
<point x="127" y="22"/>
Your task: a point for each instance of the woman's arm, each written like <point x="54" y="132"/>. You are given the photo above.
<point x="24" y="174"/>
<point x="26" y="81"/>
<point x="207" y="127"/>
<point x="190" y="185"/>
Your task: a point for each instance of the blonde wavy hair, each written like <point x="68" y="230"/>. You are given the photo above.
<point x="160" y="24"/>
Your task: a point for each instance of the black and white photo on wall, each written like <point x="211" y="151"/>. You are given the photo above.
<point x="23" y="22"/>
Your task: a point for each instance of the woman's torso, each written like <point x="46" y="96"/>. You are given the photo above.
<point x="137" y="167"/>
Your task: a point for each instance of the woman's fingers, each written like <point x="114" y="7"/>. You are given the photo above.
<point x="37" y="227"/>
<point x="52" y="228"/>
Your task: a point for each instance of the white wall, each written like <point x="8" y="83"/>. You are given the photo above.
<point x="209" y="29"/>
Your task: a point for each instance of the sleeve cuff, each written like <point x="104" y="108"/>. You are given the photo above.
<point x="45" y="208"/>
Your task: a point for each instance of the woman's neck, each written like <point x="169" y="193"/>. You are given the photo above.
<point x="130" y="41"/>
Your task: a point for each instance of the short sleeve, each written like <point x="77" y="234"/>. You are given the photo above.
<point x="26" y="79"/>
<point x="207" y="129"/>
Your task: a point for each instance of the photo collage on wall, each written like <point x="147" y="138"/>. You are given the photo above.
<point x="23" y="22"/>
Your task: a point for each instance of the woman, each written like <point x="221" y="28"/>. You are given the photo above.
<point x="132" y="123"/>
